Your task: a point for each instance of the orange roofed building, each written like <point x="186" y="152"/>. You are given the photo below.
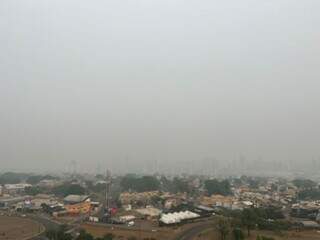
<point x="77" y="204"/>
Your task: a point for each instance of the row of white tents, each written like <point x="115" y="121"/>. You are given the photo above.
<point x="177" y="217"/>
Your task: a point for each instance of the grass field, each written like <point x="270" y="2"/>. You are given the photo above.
<point x="15" y="228"/>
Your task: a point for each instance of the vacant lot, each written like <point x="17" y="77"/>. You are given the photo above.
<point x="123" y="233"/>
<point x="15" y="228"/>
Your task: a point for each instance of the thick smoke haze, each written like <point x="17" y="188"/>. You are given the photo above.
<point x="137" y="85"/>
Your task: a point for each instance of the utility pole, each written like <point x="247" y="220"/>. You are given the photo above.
<point x="108" y="187"/>
<point x="73" y="170"/>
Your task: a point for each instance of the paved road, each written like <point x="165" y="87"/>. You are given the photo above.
<point x="190" y="233"/>
<point x="45" y="221"/>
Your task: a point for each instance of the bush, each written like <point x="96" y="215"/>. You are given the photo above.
<point x="277" y="225"/>
<point x="264" y="238"/>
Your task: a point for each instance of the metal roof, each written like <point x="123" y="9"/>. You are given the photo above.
<point x="75" y="198"/>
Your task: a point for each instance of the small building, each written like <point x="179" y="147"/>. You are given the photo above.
<point x="149" y="212"/>
<point x="218" y="201"/>
<point x="204" y="211"/>
<point x="141" y="198"/>
<point x="15" y="188"/>
<point x="127" y="218"/>
<point x="93" y="219"/>
<point x="309" y="224"/>
<point x="48" y="183"/>
<point x="55" y="210"/>
<point x="10" y="201"/>
<point x="248" y="204"/>
<point x="172" y="202"/>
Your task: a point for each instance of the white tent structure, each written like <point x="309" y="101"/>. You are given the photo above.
<point x="177" y="217"/>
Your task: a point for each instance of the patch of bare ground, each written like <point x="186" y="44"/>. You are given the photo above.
<point x="16" y="228"/>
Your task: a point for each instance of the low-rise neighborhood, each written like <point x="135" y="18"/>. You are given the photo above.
<point x="161" y="204"/>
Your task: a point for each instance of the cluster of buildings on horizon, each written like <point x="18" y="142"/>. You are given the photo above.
<point x="207" y="167"/>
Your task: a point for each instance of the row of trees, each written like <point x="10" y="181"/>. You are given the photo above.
<point x="61" y="190"/>
<point x="176" y="185"/>
<point x="304" y="183"/>
<point x="308" y="189"/>
<point x="59" y="234"/>
<point x="35" y="179"/>
<point x="140" y="184"/>
<point x="13" y="178"/>
<point x="68" y="188"/>
<point x="225" y="226"/>
<point x="309" y="194"/>
<point x="150" y="183"/>
<point x="249" y="219"/>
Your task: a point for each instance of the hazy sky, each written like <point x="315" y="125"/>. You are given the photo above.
<point x="166" y="80"/>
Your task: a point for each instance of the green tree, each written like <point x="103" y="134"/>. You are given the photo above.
<point x="178" y="185"/>
<point x="309" y="194"/>
<point x="12" y="178"/>
<point x="67" y="189"/>
<point x="264" y="238"/>
<point x="34" y="179"/>
<point x="213" y="186"/>
<point x="140" y="184"/>
<point x="84" y="235"/>
<point x="59" y="234"/>
<point x="223" y="227"/>
<point x="238" y="234"/>
<point x="249" y="219"/>
<point x="304" y="183"/>
<point x="99" y="187"/>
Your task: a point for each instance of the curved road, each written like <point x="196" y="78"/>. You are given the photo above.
<point x="45" y="221"/>
<point x="193" y="232"/>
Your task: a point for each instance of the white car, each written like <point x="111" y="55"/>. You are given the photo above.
<point x="131" y="223"/>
